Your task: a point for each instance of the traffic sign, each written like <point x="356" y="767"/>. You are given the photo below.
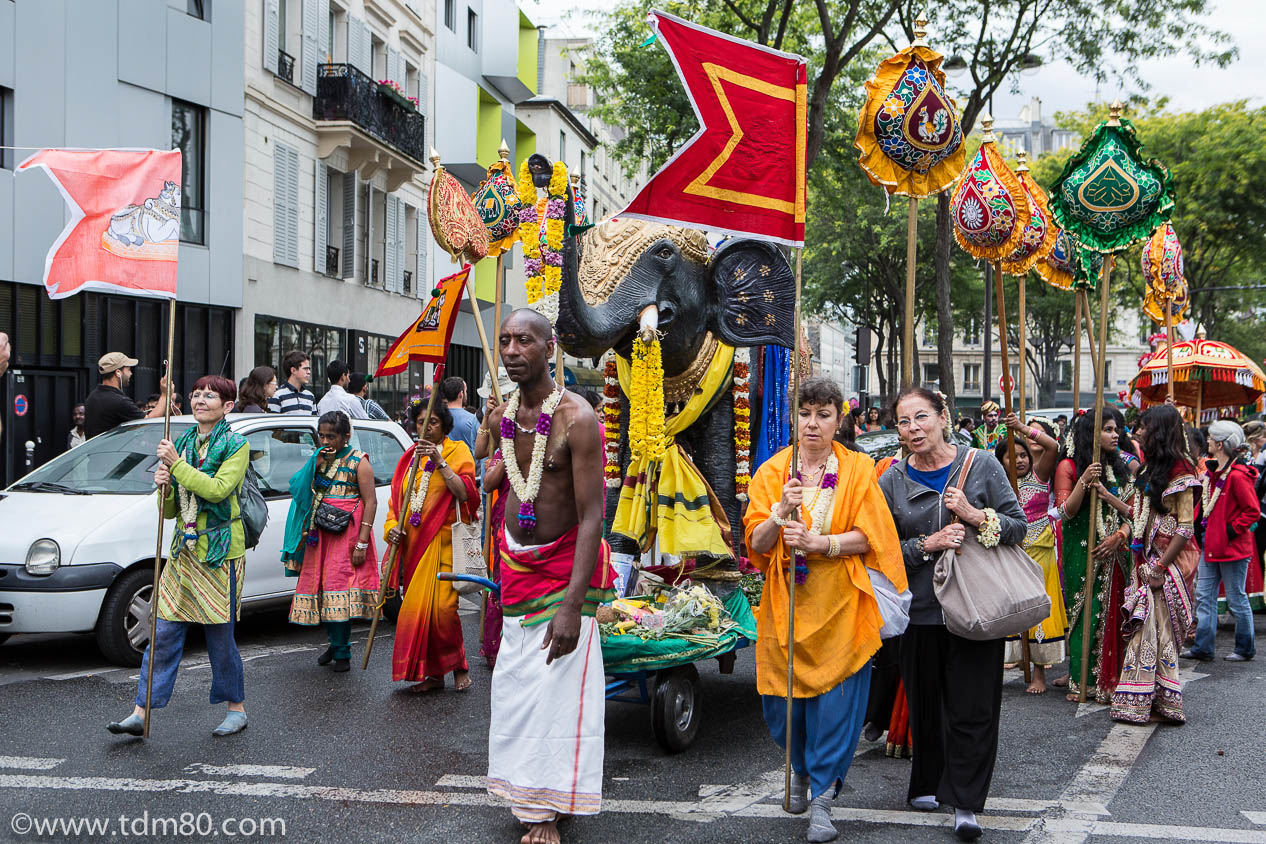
<point x="20" y="405"/>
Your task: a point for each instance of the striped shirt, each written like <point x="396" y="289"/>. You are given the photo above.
<point x="287" y="399"/>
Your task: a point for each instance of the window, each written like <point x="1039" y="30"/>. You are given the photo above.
<point x="972" y="335"/>
<point x="931" y="374"/>
<point x="562" y="147"/>
<point x="450" y="15"/>
<point x="383" y="450"/>
<point x="472" y="30"/>
<point x="1063" y="374"/>
<point x="200" y="9"/>
<point x="929" y="332"/>
<point x="283" y="17"/>
<point x="188" y="134"/>
<point x="971" y="378"/>
<point x="6" y="128"/>
<point x="331" y="31"/>
<point x="277" y="454"/>
<point x="582" y="163"/>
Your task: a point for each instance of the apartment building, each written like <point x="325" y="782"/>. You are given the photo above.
<point x="115" y="73"/>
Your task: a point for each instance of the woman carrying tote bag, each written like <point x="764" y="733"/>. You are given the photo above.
<point x="954" y="684"/>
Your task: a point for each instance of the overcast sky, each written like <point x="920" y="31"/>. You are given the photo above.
<point x="1059" y="86"/>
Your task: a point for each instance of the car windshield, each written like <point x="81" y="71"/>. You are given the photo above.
<point x="120" y="461"/>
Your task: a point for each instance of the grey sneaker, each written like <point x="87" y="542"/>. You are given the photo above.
<point x="799" y="794"/>
<point x="1236" y="657"/>
<point x="820" y="826"/>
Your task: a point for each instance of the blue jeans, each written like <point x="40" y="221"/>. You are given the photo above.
<point x="1232" y="575"/>
<point x="228" y="682"/>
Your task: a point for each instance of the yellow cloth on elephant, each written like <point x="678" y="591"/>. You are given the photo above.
<point x="669" y="497"/>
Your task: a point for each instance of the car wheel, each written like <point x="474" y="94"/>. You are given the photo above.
<point x="123" y="627"/>
<point x="675" y="708"/>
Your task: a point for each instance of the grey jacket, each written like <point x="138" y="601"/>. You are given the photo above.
<point x="919" y="511"/>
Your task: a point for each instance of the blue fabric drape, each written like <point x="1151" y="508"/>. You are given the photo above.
<point x="775" y="417"/>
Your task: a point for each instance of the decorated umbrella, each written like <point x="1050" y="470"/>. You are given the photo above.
<point x="910" y="143"/>
<point x="1108" y="197"/>
<point x="1166" y="286"/>
<point x="1206" y="374"/>
<point x="1036" y="242"/>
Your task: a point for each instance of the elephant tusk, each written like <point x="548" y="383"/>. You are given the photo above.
<point x="648" y="323"/>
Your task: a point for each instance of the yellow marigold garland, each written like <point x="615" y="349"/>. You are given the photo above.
<point x="646" y="401"/>
<point x="742" y="422"/>
<point x="611" y="420"/>
<point x="542" y="246"/>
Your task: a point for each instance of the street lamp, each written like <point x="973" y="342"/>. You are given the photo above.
<point x="1029" y="64"/>
<point x="955" y="65"/>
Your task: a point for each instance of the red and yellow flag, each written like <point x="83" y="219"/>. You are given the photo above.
<point x="428" y="338"/>
<point x="743" y="172"/>
<point x="124" y="229"/>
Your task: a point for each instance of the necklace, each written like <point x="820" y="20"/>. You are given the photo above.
<point x="418" y="497"/>
<point x="526" y="489"/>
<point x="1207" y="501"/>
<point x="819" y="511"/>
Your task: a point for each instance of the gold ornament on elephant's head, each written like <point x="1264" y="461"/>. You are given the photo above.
<point x="610" y="250"/>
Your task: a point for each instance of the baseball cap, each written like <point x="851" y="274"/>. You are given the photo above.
<point x="114" y="361"/>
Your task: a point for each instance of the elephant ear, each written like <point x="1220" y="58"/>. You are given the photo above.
<point x="755" y="292"/>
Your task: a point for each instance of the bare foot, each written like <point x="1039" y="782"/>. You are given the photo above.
<point x="461" y="680"/>
<point x="1008" y="666"/>
<point x="542" y="833"/>
<point x="430" y="684"/>
<point x="1060" y="682"/>
<point x="1071" y="698"/>
<point x="1037" y="687"/>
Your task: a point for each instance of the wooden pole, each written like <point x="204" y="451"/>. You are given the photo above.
<point x="1024" y="352"/>
<point x="1000" y="296"/>
<point x="483" y="334"/>
<point x="1090" y="336"/>
<point x="791" y="571"/>
<point x="393" y="549"/>
<point x="1169" y="348"/>
<point x="907" y="349"/>
<point x="1079" y="296"/>
<point x="162" y="498"/>
<point x="1087" y="596"/>
<point x="503" y="152"/>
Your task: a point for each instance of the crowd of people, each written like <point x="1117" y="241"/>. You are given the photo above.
<point x="1175" y="511"/>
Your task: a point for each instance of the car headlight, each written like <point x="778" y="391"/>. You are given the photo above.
<point x="43" y="557"/>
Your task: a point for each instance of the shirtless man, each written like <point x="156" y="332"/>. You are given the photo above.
<point x="545" y="744"/>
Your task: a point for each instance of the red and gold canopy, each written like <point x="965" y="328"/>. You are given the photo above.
<point x="1206" y="374"/>
<point x="990" y="208"/>
<point x="1038" y="238"/>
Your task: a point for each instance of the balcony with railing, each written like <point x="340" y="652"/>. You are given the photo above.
<point x="379" y="130"/>
<point x="286" y="66"/>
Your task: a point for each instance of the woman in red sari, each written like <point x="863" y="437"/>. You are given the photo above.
<point x="429" y="641"/>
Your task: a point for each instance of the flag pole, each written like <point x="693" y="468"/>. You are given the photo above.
<point x="1024" y="351"/>
<point x="1000" y="295"/>
<point x="1090" y="336"/>
<point x="907" y="334"/>
<point x="393" y="551"/>
<point x="504" y="153"/>
<point x="1078" y="296"/>
<point x="1087" y="607"/>
<point x="162" y="500"/>
<point x="1169" y="347"/>
<point x="791" y="571"/>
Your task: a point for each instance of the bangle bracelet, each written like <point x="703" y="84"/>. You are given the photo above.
<point x="361" y="546"/>
<point x="833" y="546"/>
<point x="778" y="520"/>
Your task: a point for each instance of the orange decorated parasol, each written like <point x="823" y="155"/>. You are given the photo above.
<point x="1206" y="374"/>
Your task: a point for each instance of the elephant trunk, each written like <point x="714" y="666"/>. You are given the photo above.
<point x="590" y="330"/>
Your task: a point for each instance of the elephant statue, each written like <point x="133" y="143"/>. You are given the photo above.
<point x="626" y="275"/>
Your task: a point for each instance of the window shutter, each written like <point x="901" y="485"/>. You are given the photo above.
<point x="421" y="285"/>
<point x="280" y="215"/>
<point x="359" y="45"/>
<point x="272" y="28"/>
<point x="323" y="33"/>
<point x="392" y="56"/>
<point x="321" y="230"/>
<point x="348" y="258"/>
<point x="308" y="59"/>
<point x="389" y="245"/>
<point x="402" y="238"/>
<point x="292" y="208"/>
<point x="423" y="99"/>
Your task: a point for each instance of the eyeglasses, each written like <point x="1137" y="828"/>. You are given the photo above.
<point x="921" y="418"/>
<point x="209" y="395"/>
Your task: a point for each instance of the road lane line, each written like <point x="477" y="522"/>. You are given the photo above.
<point x="461" y="781"/>
<point x="29" y="763"/>
<point x="1097" y="783"/>
<point x="1258" y="818"/>
<point x="267" y="771"/>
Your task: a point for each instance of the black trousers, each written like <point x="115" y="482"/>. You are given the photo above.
<point x="954" y="686"/>
<point x="883" y="683"/>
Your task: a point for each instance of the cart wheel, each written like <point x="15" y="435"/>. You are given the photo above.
<point x="675" y="708"/>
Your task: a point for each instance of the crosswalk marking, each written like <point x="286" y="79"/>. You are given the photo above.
<point x="28" y="763"/>
<point x="265" y="771"/>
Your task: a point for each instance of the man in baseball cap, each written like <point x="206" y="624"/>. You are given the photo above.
<point x="107" y="406"/>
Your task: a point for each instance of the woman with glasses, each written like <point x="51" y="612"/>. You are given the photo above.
<point x="954" y="685"/>
<point x="200" y="475"/>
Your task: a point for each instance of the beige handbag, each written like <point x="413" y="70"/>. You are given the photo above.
<point x="989" y="593"/>
<point x="468" y="554"/>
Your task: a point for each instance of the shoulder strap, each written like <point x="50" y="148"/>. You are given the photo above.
<point x="962" y="473"/>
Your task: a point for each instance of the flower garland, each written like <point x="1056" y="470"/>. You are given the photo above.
<point x="418" y="497"/>
<point x="526" y="490"/>
<point x="742" y="422"/>
<point x="542" y="247"/>
<point x="990" y="532"/>
<point x="646" y="401"/>
<point x="1142" y="511"/>
<point x="1207" y="501"/>
<point x="611" y="417"/>
<point x="188" y="515"/>
<point x="819" y="510"/>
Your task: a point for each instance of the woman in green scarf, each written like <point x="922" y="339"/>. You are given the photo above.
<point x="201" y="583"/>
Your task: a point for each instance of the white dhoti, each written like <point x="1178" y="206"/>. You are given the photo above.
<point x="545" y="742"/>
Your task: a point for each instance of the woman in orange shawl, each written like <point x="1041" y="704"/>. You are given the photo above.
<point x="831" y="517"/>
<point x="429" y="640"/>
